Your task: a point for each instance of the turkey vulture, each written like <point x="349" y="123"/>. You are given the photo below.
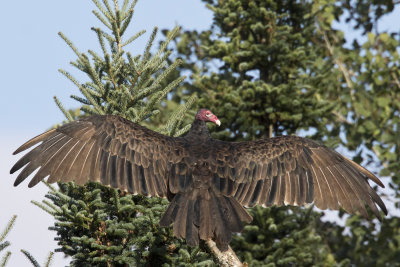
<point x="207" y="181"/>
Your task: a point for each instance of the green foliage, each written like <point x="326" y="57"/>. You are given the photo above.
<point x="271" y="78"/>
<point x="280" y="67"/>
<point x="368" y="243"/>
<point x="35" y="262"/>
<point x="101" y="226"/>
<point x="4" y="244"/>
<point x="282" y="237"/>
<point x="120" y="83"/>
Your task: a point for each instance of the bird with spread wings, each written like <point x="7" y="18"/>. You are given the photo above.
<point x="207" y="181"/>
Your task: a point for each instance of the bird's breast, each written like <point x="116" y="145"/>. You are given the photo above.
<point x="201" y="175"/>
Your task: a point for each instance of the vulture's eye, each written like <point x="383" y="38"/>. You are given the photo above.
<point x="208" y="115"/>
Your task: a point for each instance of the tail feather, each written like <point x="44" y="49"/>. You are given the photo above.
<point x="171" y="212"/>
<point x="180" y="219"/>
<point x="203" y="214"/>
<point x="238" y="215"/>
<point x="192" y="231"/>
<point x="223" y="234"/>
<point x="206" y="221"/>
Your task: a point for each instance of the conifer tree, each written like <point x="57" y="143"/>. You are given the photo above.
<point x="98" y="225"/>
<point x="280" y="67"/>
<point x="4" y="244"/>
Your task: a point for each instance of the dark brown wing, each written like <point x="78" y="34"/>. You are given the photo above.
<point x="107" y="149"/>
<point x="292" y="170"/>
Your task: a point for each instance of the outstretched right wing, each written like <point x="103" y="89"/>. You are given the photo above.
<point x="292" y="170"/>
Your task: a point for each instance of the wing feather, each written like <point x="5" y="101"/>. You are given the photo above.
<point x="294" y="171"/>
<point x="108" y="149"/>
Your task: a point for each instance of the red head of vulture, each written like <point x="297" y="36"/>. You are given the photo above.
<point x="207" y="181"/>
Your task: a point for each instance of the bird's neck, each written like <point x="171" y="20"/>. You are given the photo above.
<point x="199" y="130"/>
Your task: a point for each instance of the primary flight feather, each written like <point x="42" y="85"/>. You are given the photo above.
<point x="207" y="181"/>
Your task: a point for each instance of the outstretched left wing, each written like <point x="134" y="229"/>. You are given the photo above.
<point x="107" y="149"/>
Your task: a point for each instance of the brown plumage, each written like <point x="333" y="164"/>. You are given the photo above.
<point x="207" y="181"/>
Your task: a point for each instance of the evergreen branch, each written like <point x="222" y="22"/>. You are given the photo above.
<point x="65" y="198"/>
<point x="133" y="38"/>
<point x="43" y="207"/>
<point x="176" y="118"/>
<point x="4" y="245"/>
<point x="9" y="225"/>
<point x="78" y="65"/>
<point x="100" y="7"/>
<point x="88" y="110"/>
<point x="109" y="71"/>
<point x="129" y="11"/>
<point x="171" y="86"/>
<point x="115" y="30"/>
<point x="136" y="72"/>
<point x="157" y="98"/>
<point x="51" y="205"/>
<point x="30" y="258"/>
<point x="170" y="36"/>
<point x="95" y="56"/>
<point x="80" y="99"/>
<point x="106" y="23"/>
<point x="49" y="259"/>
<point x="70" y="77"/>
<point x="51" y="187"/>
<point x="117" y="13"/>
<point x="145" y="79"/>
<point x="162" y="62"/>
<point x="55" y="208"/>
<point x="91" y="72"/>
<point x="63" y="110"/>
<point x="182" y="130"/>
<point x="116" y="199"/>
<point x="93" y="102"/>
<point x="101" y="40"/>
<point x="70" y="44"/>
<point x="127" y="21"/>
<point x="94" y="90"/>
<point x="144" y="93"/>
<point x="118" y="63"/>
<point x="109" y="38"/>
<point x="124" y="6"/>
<point x="146" y="53"/>
<point x="5" y="259"/>
<point x="109" y="9"/>
<point x="145" y="112"/>
<point x="133" y="114"/>
<point x="166" y="72"/>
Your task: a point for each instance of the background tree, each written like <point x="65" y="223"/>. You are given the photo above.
<point x="281" y="67"/>
<point x="4" y="244"/>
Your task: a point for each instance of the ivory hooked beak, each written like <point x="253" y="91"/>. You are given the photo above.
<point x="218" y="122"/>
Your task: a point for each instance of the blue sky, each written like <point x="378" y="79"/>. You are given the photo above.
<point x="31" y="52"/>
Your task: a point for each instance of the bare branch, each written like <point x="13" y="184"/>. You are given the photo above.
<point x="226" y="258"/>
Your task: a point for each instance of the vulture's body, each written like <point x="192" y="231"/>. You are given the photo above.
<point x="207" y="181"/>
